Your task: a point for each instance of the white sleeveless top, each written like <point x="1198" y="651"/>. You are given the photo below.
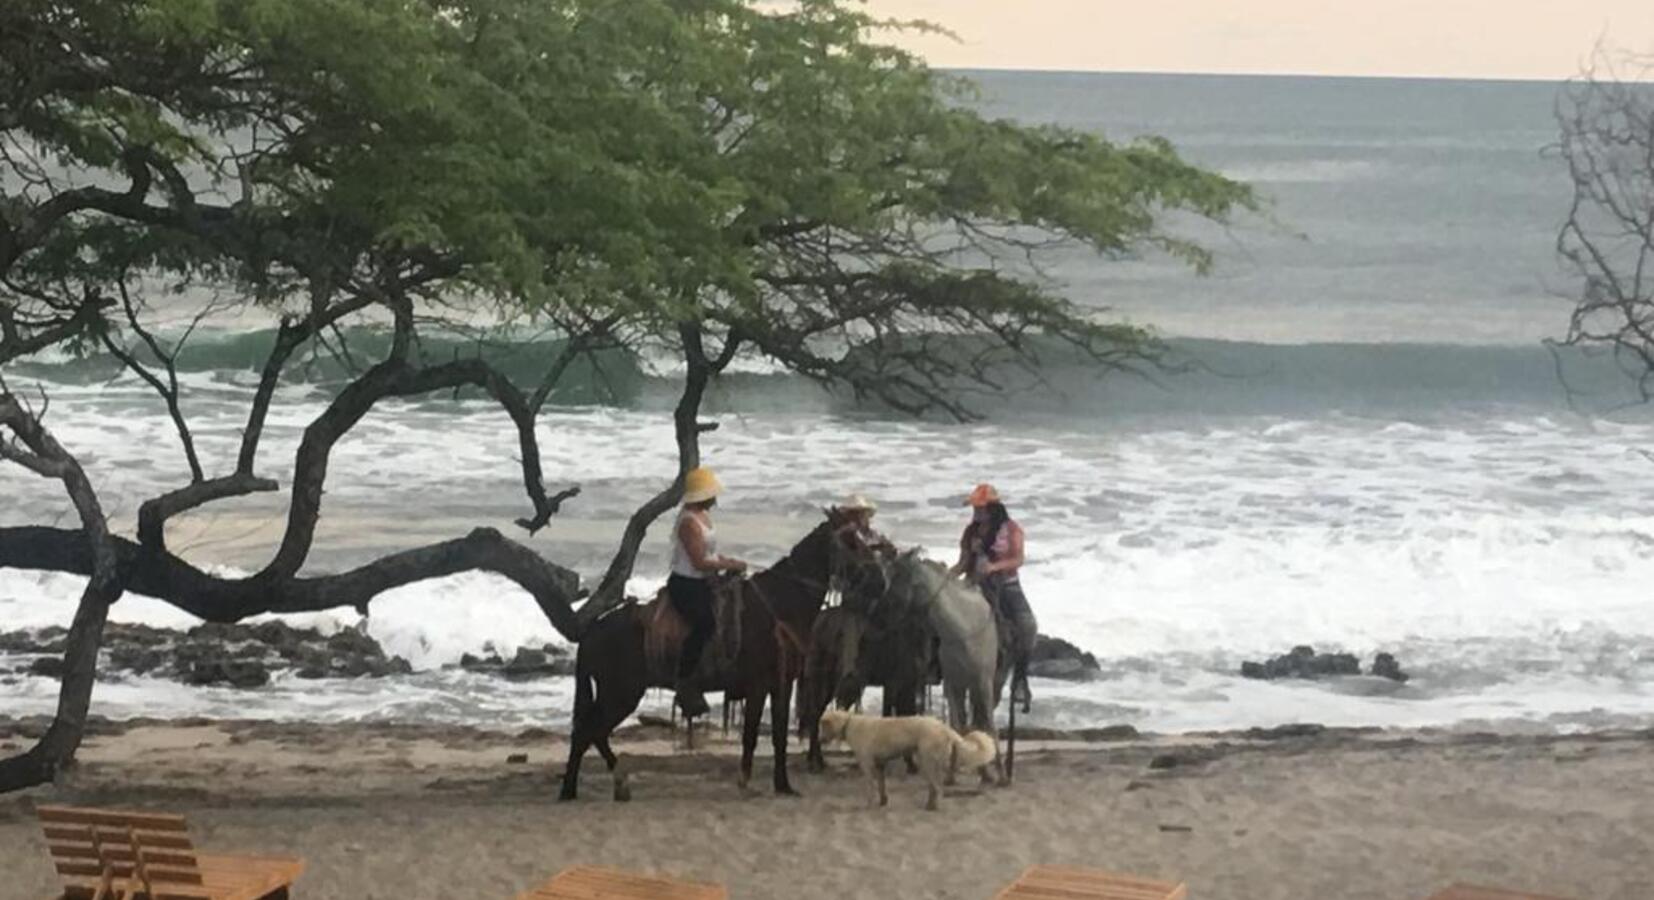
<point x="682" y="564"/>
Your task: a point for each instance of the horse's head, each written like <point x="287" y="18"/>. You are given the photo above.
<point x="904" y="573"/>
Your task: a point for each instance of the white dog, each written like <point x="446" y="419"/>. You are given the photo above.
<point x="940" y="750"/>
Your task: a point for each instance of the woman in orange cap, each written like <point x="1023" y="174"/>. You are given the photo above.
<point x="695" y="561"/>
<point x="991" y="555"/>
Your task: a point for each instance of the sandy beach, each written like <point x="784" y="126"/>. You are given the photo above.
<point x="434" y="812"/>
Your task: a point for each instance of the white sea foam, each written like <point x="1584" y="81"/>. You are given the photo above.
<point x="1500" y="557"/>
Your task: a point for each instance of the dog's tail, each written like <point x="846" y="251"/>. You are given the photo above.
<point x="972" y="751"/>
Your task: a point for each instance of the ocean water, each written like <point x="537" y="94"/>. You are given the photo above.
<point x="1371" y="452"/>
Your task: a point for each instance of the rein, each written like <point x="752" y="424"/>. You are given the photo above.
<point x="791" y="645"/>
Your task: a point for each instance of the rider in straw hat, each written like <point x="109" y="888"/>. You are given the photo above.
<point x="991" y="555"/>
<point x="695" y="561"/>
<point x="858" y="526"/>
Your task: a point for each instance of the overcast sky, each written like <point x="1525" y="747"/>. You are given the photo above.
<point x="1445" y="38"/>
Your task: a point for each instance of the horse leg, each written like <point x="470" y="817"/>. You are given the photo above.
<point x="983" y="720"/>
<point x="578" y="742"/>
<point x="903" y="701"/>
<point x="884" y="798"/>
<point x="617" y="697"/>
<point x="780" y="715"/>
<point x="958" y="713"/>
<point x="809" y="721"/>
<point x="752" y="715"/>
<point x="955" y="693"/>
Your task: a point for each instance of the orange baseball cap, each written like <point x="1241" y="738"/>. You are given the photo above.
<point x="983" y="495"/>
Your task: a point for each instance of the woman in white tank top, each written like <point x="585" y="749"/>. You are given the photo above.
<point x="695" y="559"/>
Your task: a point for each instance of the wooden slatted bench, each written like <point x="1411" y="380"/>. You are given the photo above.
<point x="103" y="854"/>
<point x="591" y="883"/>
<point x="1472" y="892"/>
<point x="1070" y="883"/>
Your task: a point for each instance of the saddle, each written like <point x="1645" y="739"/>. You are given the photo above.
<point x="664" y="631"/>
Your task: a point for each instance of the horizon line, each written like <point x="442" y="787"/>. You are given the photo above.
<point x="1491" y="79"/>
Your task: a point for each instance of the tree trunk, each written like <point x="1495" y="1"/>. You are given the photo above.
<point x="37" y="450"/>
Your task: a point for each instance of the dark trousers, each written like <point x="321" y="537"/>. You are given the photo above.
<point x="1012" y="604"/>
<point x="692" y="598"/>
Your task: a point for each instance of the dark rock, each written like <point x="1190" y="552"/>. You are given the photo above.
<point x="1385" y="666"/>
<point x="27" y="641"/>
<point x="532" y="663"/>
<point x="517" y="759"/>
<point x="233" y="672"/>
<point x="1110" y="733"/>
<point x="47" y="667"/>
<point x="1063" y="670"/>
<point x="350" y="642"/>
<point x="1166" y="761"/>
<point x="116" y="633"/>
<point x="1056" y="658"/>
<point x="1177" y="829"/>
<point x="1303" y="662"/>
<point x="138" y="659"/>
<point x="219" y="632"/>
<point x="1284" y="732"/>
<point x="219" y="653"/>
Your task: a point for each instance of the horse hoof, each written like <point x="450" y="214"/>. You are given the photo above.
<point x="566" y="797"/>
<point x="623" y="794"/>
<point x="787" y="791"/>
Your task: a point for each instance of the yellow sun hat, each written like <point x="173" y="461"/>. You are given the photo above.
<point x="701" y="485"/>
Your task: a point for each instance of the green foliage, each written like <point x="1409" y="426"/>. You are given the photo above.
<point x="784" y="176"/>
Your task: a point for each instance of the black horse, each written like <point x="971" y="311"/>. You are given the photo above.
<point x="764" y="627"/>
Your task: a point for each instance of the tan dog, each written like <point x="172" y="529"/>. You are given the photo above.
<point x="940" y="750"/>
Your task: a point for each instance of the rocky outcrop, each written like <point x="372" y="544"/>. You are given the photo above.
<point x="241" y="656"/>
<point x="1385" y="666"/>
<point x="528" y="663"/>
<point x="1304" y="662"/>
<point x="1056" y="658"/>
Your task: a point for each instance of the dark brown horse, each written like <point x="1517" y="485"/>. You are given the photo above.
<point x="852" y="650"/>
<point x="764" y="625"/>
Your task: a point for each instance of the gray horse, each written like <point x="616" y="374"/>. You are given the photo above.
<point x="967" y="638"/>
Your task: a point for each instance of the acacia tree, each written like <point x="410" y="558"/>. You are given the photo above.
<point x="1607" y="241"/>
<point x="704" y="175"/>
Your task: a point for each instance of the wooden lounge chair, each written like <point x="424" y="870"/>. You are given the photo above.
<point x="1472" y="892"/>
<point x="1065" y="883"/>
<point x="588" y="883"/>
<point x="106" y="855"/>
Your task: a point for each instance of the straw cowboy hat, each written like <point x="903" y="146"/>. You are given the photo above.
<point x="859" y="503"/>
<point x="983" y="495"/>
<point x="701" y="485"/>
